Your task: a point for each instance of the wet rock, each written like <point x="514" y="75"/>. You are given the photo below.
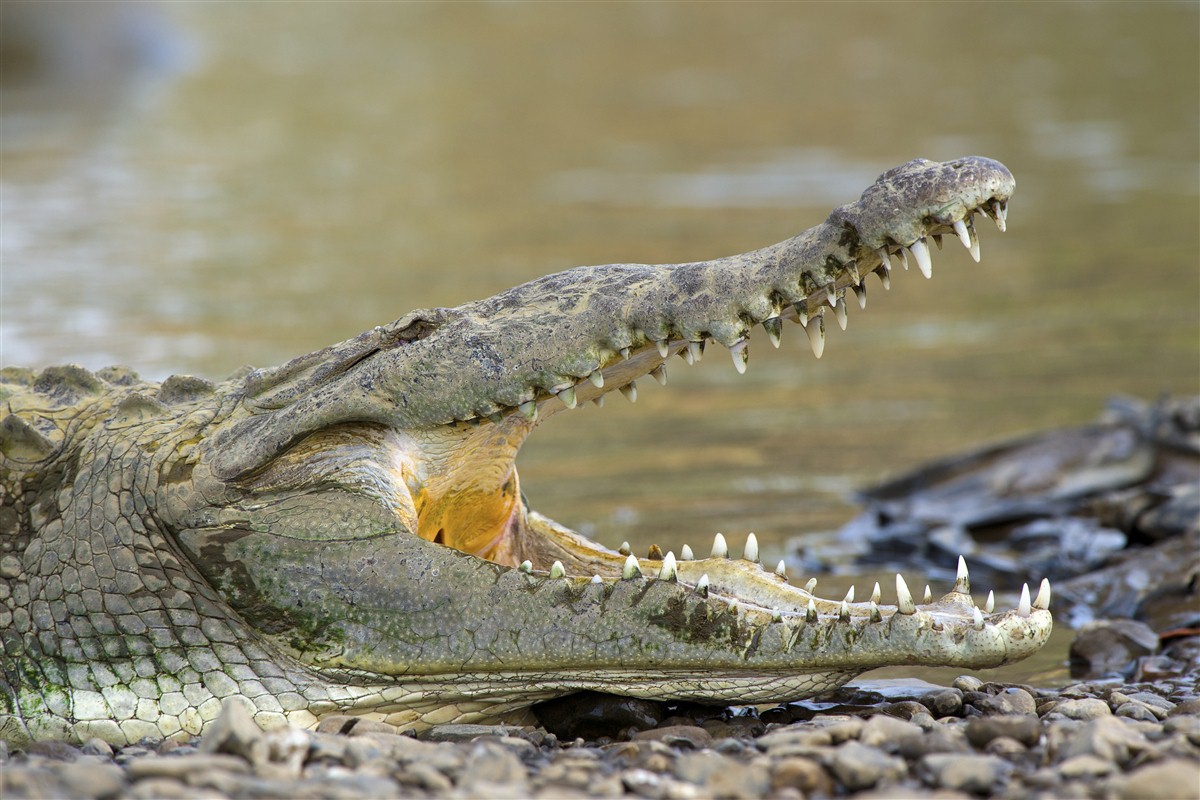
<point x="857" y="766"/>
<point x="1110" y="646"/>
<point x="1011" y="700"/>
<point x="977" y="774"/>
<point x="1024" y="728"/>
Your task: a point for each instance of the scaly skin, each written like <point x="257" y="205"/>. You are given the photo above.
<point x="345" y="534"/>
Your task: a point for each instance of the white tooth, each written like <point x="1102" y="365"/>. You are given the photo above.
<point x="597" y="379"/>
<point x="599" y="401"/>
<point x="990" y="605"/>
<point x="964" y="236"/>
<point x="568" y="397"/>
<point x="667" y="571"/>
<point x="776" y="615"/>
<point x="659" y="374"/>
<point x="816" y="335"/>
<point x="631" y="568"/>
<point x="883" y="255"/>
<point x="597" y="579"/>
<point x="849" y="598"/>
<point x="1042" y="600"/>
<point x="625" y="353"/>
<point x="875" y="593"/>
<point x="774" y="329"/>
<point x="904" y="598"/>
<point x="801" y="313"/>
<point x="844" y="612"/>
<point x="885" y="277"/>
<point x="927" y="598"/>
<point x="962" y="582"/>
<point x="750" y="553"/>
<point x="1023" y="606"/>
<point x="920" y="251"/>
<point x="740" y="353"/>
<point x="810" y="613"/>
<point x="624" y="549"/>
<point x="630" y="391"/>
<point x="1001" y="215"/>
<point x="526" y="566"/>
<point x="860" y="291"/>
<point x="719" y="548"/>
<point x="831" y="295"/>
<point x="696" y="351"/>
<point x="811" y="585"/>
<point x="854" y="273"/>
<point x="685" y="553"/>
<point x="702" y="585"/>
<point x="664" y="348"/>
<point x="556" y="570"/>
<point x="840" y="311"/>
<point x="781" y="569"/>
<point x="977" y="619"/>
<point x="875" y="615"/>
<point x="975" y="249"/>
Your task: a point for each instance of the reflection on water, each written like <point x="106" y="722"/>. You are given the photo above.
<point x="310" y="170"/>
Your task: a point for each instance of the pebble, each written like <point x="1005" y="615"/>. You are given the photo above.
<point x="1098" y="739"/>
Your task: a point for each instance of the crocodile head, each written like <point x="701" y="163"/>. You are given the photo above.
<point x="359" y="507"/>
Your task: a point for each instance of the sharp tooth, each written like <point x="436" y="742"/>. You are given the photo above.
<point x="719" y="548"/>
<point x="875" y="615"/>
<point x="964" y="236"/>
<point x="702" y="585"/>
<point x="904" y="258"/>
<point x="528" y="410"/>
<point x="801" y="312"/>
<point x="1001" y="214"/>
<point x="625" y="353"/>
<point x="556" y="570"/>
<point x="1042" y="600"/>
<point x="740" y="353"/>
<point x="597" y="579"/>
<point x="904" y="598"/>
<point x="624" y="549"/>
<point x="844" y="612"/>
<point x="568" y="397"/>
<point x="920" y="251"/>
<point x="667" y="571"/>
<point x="631" y="569"/>
<point x="853" y="268"/>
<point x="526" y="566"/>
<point x="840" y="312"/>
<point x="664" y="347"/>
<point x="776" y="615"/>
<point x="885" y="277"/>
<point x="659" y="374"/>
<point x="696" y="351"/>
<point x="831" y="294"/>
<point x="975" y="249"/>
<point x="685" y="553"/>
<point x="774" y="329"/>
<point x="962" y="582"/>
<point x="883" y="256"/>
<point x="937" y="240"/>
<point x="927" y="597"/>
<point x="811" y="585"/>
<point x="977" y="619"/>
<point x="750" y="552"/>
<point x="630" y="391"/>
<point x="816" y="335"/>
<point x="597" y="379"/>
<point x="1023" y="606"/>
<point x="875" y="593"/>
<point x="599" y="401"/>
<point x="849" y="598"/>
<point x="810" y="613"/>
<point x="781" y="569"/>
<point x="990" y="605"/>
<point x="860" y="291"/>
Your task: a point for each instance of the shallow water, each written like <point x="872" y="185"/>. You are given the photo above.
<point x="243" y="183"/>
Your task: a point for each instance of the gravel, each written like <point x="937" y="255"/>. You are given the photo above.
<point x="1094" y="740"/>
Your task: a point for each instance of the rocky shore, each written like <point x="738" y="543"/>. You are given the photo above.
<point x="1089" y="740"/>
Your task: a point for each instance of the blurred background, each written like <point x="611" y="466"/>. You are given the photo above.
<point x="190" y="187"/>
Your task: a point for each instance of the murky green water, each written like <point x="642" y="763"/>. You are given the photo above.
<point x="283" y="176"/>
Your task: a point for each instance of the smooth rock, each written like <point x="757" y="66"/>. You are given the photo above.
<point x="857" y="766"/>
<point x="968" y="773"/>
<point x="1083" y="708"/>
<point x="235" y="732"/>
<point x="722" y="776"/>
<point x="1025" y="729"/>
<point x="888" y="732"/>
<point x="1110" y="646"/>
<point x="1172" y="779"/>
<point x="91" y="778"/>
<point x="804" y="774"/>
<point x="1085" y="766"/>
<point x="685" y="736"/>
<point x="1108" y="738"/>
<point x="943" y="702"/>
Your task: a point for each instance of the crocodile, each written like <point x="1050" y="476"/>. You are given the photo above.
<point x="345" y="534"/>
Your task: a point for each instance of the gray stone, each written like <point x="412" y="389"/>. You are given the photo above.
<point x="236" y="733"/>
<point x="793" y="739"/>
<point x="804" y="774"/>
<point x="944" y="702"/>
<point x="90" y="777"/>
<point x="722" y="776"/>
<point x="1023" y="728"/>
<point x="968" y="773"/>
<point x="1111" y="645"/>
<point x="684" y="736"/>
<point x="1083" y="708"/>
<point x="1013" y="700"/>
<point x="1108" y="738"/>
<point x="857" y="766"/>
<point x="182" y="767"/>
<point x="942" y="739"/>
<point x="1135" y="710"/>
<point x="1171" y="779"/>
<point x="888" y="732"/>
<point x="1086" y="766"/>
<point x="967" y="683"/>
<point x="490" y="764"/>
